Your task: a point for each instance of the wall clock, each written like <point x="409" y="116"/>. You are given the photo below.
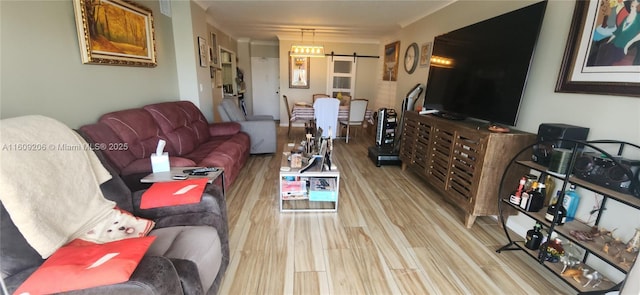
<point x="411" y="58"/>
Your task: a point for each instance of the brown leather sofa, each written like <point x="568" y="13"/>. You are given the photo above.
<point x="129" y="137"/>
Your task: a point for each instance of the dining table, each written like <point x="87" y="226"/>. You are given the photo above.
<point x="305" y="112"/>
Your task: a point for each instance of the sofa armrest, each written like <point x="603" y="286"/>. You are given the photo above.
<point x="154" y="275"/>
<point x="180" y="215"/>
<point x="224" y="129"/>
<point x="260" y="118"/>
<point x="262" y="134"/>
<point x="186" y="269"/>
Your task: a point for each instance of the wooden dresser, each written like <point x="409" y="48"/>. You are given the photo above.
<point x="462" y="160"/>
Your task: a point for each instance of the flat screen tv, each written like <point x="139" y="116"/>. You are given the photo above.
<point x="480" y="71"/>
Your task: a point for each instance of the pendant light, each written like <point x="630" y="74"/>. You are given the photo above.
<point x="307" y="50"/>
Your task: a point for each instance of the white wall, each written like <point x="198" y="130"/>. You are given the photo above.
<point x="42" y="73"/>
<point x="194" y="81"/>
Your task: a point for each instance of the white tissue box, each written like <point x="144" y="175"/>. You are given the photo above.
<point x="160" y="163"/>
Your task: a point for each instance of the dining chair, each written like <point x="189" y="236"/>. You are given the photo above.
<point x="345" y="100"/>
<point x="326" y="111"/>
<point x="319" y="95"/>
<point x="357" y="111"/>
<point x="289" y="114"/>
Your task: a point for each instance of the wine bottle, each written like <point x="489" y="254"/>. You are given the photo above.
<point x="556" y="213"/>
<point x="550" y="186"/>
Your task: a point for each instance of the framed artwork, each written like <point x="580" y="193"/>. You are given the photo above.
<point x="602" y="55"/>
<point x="425" y="54"/>
<point x="390" y="66"/>
<point x="115" y="32"/>
<point x="299" y="72"/>
<point x="213" y="51"/>
<point x="204" y="52"/>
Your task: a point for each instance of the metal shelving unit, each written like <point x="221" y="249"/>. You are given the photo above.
<point x="622" y="261"/>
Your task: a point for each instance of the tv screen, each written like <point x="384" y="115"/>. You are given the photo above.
<point x="480" y="71"/>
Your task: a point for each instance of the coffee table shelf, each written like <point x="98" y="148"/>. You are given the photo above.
<point x="296" y="193"/>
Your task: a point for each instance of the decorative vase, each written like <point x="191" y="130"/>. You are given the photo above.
<point x="634" y="244"/>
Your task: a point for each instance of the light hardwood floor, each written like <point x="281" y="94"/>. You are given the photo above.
<point x="392" y="235"/>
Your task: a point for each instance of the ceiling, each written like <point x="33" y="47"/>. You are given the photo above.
<point x="366" y="21"/>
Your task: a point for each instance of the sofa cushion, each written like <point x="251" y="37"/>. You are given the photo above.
<point x="81" y="265"/>
<point x="101" y="137"/>
<point x="182" y="123"/>
<point x="228" y="152"/>
<point x="137" y="128"/>
<point x="196" y="120"/>
<point x="200" y="244"/>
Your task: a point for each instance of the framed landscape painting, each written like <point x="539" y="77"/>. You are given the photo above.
<point x="115" y="32"/>
<point x="602" y="55"/>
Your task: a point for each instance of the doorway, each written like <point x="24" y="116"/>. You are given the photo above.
<point x="341" y="76"/>
<point x="228" y="64"/>
<point x="265" y="82"/>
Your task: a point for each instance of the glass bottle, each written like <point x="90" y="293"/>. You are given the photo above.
<point x="570" y="202"/>
<point x="561" y="213"/>
<point x="550" y="185"/>
<point x="551" y="213"/>
<point x="536" y="199"/>
<point x="554" y="198"/>
<point x="534" y="237"/>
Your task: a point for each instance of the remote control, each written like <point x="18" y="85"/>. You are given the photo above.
<point x="199" y="173"/>
<point x="199" y="170"/>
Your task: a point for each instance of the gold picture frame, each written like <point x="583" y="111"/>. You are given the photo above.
<point x="390" y="65"/>
<point x="115" y="32"/>
<point x="299" y="72"/>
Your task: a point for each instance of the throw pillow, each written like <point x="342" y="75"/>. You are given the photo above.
<point x="81" y="264"/>
<point x="118" y="225"/>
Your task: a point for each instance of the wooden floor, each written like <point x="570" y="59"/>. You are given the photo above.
<point x="392" y="235"/>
